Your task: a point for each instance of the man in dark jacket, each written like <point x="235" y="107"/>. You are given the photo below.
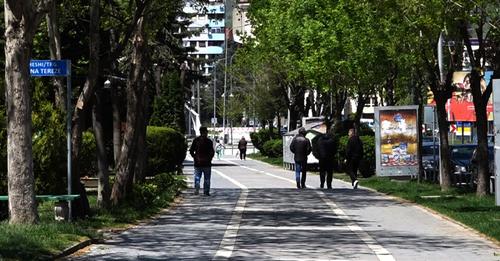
<point x="242" y="146"/>
<point x="325" y="151"/>
<point x="202" y="151"/>
<point x="300" y="147"/>
<point x="354" y="153"/>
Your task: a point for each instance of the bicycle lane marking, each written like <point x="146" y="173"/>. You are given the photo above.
<point x="381" y="253"/>
<point x="228" y="241"/>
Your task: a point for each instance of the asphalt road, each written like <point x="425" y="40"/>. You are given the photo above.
<point x="256" y="213"/>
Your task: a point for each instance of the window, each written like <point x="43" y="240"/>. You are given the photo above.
<point x="215" y="43"/>
<point x="202" y="44"/>
<point x="192" y="43"/>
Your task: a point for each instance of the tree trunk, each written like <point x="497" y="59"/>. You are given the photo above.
<point x="140" y="166"/>
<point x="81" y="206"/>
<point x="21" y="21"/>
<point x="339" y="100"/>
<point x="55" y="54"/>
<point x="103" y="188"/>
<point x="482" y="135"/>
<point x="443" y="125"/>
<point x="135" y="90"/>
<point x="117" y="124"/>
<point x="115" y="104"/>
<point x="359" y="110"/>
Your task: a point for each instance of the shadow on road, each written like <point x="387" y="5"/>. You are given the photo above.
<point x="276" y="223"/>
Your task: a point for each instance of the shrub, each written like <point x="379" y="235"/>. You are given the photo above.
<point x="367" y="164"/>
<point x="49" y="149"/>
<point x="166" y="150"/>
<point x="263" y="135"/>
<point x="273" y="148"/>
<point x="158" y="191"/>
<point x="88" y="156"/>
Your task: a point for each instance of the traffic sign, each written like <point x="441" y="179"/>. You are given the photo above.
<point x="41" y="68"/>
<point x="453" y="128"/>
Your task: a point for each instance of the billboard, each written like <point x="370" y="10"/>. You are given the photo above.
<point x="460" y="106"/>
<point x="396" y="140"/>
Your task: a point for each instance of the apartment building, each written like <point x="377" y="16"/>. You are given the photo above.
<point x="208" y="27"/>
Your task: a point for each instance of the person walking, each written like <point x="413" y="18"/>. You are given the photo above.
<point x="219" y="149"/>
<point x="202" y="151"/>
<point x="300" y="147"/>
<point x="242" y="146"/>
<point x="324" y="151"/>
<point x="354" y="154"/>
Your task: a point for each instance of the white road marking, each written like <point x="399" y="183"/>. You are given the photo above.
<point x="227" y="243"/>
<point x="266" y="173"/>
<point x="382" y="253"/>
<point x="296" y="228"/>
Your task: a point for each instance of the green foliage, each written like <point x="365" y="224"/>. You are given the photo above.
<point x="49" y="237"/>
<point x="263" y="135"/>
<point x="166" y="149"/>
<point x="168" y="107"/>
<point x="49" y="149"/>
<point x="367" y="164"/>
<point x="273" y="148"/>
<point x="154" y="192"/>
<point x="88" y="155"/>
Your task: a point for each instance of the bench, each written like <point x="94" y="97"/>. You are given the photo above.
<point x="61" y="211"/>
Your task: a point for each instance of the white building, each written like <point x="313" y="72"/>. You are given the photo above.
<point x="209" y="23"/>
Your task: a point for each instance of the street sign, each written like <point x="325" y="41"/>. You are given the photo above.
<point x="41" y="68"/>
<point x="453" y="128"/>
<point x="213" y="120"/>
<point x="55" y="68"/>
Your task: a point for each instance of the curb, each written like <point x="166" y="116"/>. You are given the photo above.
<point x="110" y="233"/>
<point x="72" y="249"/>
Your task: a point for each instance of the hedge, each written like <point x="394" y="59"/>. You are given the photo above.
<point x="273" y="148"/>
<point x="367" y="164"/>
<point x="263" y="135"/>
<point x="166" y="150"/>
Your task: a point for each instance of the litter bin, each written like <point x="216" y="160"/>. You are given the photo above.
<point x="61" y="211"/>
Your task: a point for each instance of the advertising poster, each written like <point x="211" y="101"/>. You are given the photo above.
<point x="397" y="141"/>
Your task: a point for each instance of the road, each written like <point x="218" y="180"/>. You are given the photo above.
<point x="256" y="213"/>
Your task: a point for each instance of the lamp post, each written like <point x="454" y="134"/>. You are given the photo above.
<point x="215" y="90"/>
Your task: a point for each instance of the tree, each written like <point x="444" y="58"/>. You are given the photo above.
<point x="135" y="107"/>
<point x="480" y="20"/>
<point x="21" y="21"/>
<point x="168" y="108"/>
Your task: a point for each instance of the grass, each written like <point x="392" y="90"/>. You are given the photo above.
<point x="479" y="213"/>
<point x="273" y="161"/>
<point x="49" y="237"/>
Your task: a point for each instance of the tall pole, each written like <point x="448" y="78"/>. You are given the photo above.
<point x="225" y="84"/>
<point x="68" y="132"/>
<point x="198" y="96"/>
<point x="215" y="92"/>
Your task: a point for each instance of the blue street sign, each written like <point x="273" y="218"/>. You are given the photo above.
<point x="40" y="68"/>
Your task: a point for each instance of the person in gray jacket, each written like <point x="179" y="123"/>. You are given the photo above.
<point x="300" y="147"/>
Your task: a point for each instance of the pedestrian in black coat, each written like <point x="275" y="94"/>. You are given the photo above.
<point x="354" y="154"/>
<point x="300" y="147"/>
<point x="325" y="152"/>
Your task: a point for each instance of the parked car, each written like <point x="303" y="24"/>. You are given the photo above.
<point x="461" y="156"/>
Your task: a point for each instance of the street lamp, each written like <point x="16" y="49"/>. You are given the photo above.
<point x="215" y="89"/>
